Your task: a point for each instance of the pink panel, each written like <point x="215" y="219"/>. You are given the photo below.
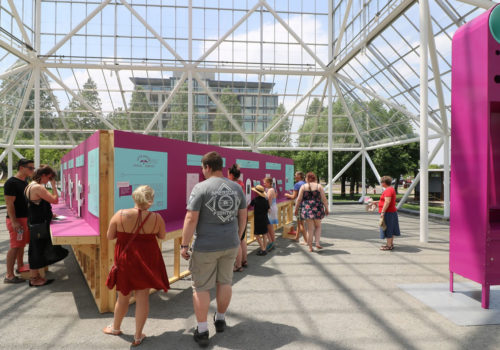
<point x="178" y="168"/>
<point x="82" y="149"/>
<point x="72" y="225"/>
<point x="475" y="145"/>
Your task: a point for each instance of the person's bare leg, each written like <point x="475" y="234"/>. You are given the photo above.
<point x="237" y="263"/>
<point x="141" y="311"/>
<point x="260" y="240"/>
<point x="244" y="251"/>
<point x="20" y="257"/>
<point x="270" y="230"/>
<point x="310" y="233"/>
<point x="317" y="233"/>
<point x="301" y="228"/>
<point x="201" y="302"/>
<point x="121" y="308"/>
<point x="390" y="242"/>
<point x="224" y="293"/>
<point x="11" y="259"/>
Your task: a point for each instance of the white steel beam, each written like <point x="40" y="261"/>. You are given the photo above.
<point x="9" y="164"/>
<point x="79" y="99"/>
<point x="344" y="169"/>
<point x="348" y="113"/>
<point x="58" y="109"/>
<point x="190" y="72"/>
<point x="166" y="103"/>
<point x="16" y="152"/>
<point x="363" y="175"/>
<point x="36" y="86"/>
<point x="386" y="101"/>
<point x="19" y="22"/>
<point x="379" y="28"/>
<point x="424" y="105"/>
<point x="224" y="110"/>
<point x="77" y="28"/>
<point x="342" y="30"/>
<point x="306" y="71"/>
<point x="485" y="4"/>
<point x="293" y="34"/>
<point x="19" y="116"/>
<point x="330" y="106"/>
<point x="14" y="51"/>
<point x="286" y="115"/>
<point x="228" y="33"/>
<point x="373" y="167"/>
<point x="8" y="73"/>
<point x="417" y="178"/>
<point x="152" y="31"/>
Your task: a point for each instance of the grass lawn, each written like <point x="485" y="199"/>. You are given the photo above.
<point x="2" y="199"/>
<point x="338" y="199"/>
<point x="434" y="210"/>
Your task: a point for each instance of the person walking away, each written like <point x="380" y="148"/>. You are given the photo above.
<point x="260" y="217"/>
<point x="217" y="211"/>
<point x="299" y="178"/>
<point x="17" y="219"/>
<point x="138" y="260"/>
<point x="272" y="195"/>
<point x="313" y="208"/>
<point x="234" y="174"/>
<point x="389" y="213"/>
<point x="41" y="252"/>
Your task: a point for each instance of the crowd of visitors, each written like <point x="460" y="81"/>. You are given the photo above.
<point x="213" y="236"/>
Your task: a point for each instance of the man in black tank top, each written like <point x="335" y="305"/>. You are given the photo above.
<point x="17" y="217"/>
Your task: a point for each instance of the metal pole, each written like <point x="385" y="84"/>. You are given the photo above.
<point x="330" y="111"/>
<point x="9" y="165"/>
<point x="424" y="165"/>
<point x="363" y="175"/>
<point x="36" y="86"/>
<point x="190" y="72"/>
<point x="446" y="168"/>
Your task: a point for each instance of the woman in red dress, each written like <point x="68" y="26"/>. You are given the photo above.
<point x="138" y="259"/>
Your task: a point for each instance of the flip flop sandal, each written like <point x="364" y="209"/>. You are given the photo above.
<point x="238" y="269"/>
<point x="110" y="330"/>
<point x="49" y="281"/>
<point x="139" y="341"/>
<point x="13" y="280"/>
<point x="386" y="247"/>
<point x="244" y="263"/>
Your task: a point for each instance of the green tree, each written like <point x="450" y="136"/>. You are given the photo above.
<point x="78" y="114"/>
<point x="281" y="135"/>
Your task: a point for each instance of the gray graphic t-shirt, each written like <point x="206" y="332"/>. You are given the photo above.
<point x="218" y="201"/>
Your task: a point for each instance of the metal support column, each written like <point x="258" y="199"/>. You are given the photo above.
<point x="446" y="169"/>
<point x="424" y="81"/>
<point x="36" y="72"/>
<point x="363" y="174"/>
<point x="190" y="72"/>
<point x="330" y="110"/>
<point x="9" y="165"/>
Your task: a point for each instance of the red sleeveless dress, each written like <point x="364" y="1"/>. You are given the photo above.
<point x="141" y="266"/>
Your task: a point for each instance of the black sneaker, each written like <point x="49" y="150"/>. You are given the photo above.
<point x="261" y="253"/>
<point x="201" y="338"/>
<point x="220" y="325"/>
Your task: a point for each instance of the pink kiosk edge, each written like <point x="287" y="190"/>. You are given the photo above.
<point x="475" y="157"/>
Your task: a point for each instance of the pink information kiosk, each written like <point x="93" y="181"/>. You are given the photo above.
<point x="99" y="175"/>
<point x="475" y="157"/>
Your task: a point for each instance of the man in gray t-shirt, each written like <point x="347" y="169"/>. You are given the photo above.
<point x="217" y="211"/>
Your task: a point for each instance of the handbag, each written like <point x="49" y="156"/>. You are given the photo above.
<point x="39" y="231"/>
<point x="382" y="224"/>
<point x="113" y="273"/>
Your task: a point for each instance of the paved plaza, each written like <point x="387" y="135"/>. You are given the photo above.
<point x="343" y="297"/>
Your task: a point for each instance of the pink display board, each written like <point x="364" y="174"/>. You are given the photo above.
<point x="475" y="157"/>
<point x="75" y="172"/>
<point x="183" y="170"/>
<point x="171" y="167"/>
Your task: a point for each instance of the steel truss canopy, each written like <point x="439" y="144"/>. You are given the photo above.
<point x="339" y="75"/>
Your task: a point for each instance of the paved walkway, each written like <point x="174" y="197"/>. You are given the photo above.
<point x="344" y="297"/>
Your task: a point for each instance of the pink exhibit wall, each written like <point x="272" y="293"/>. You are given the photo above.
<point x="183" y="158"/>
<point x="75" y="164"/>
<point x="475" y="157"/>
<point x="172" y="167"/>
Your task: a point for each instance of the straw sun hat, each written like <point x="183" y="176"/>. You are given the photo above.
<point x="259" y="190"/>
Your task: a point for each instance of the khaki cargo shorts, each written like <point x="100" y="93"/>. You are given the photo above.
<point x="209" y="268"/>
